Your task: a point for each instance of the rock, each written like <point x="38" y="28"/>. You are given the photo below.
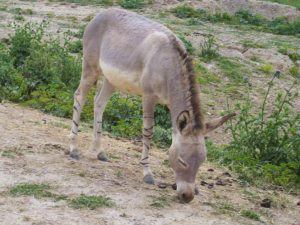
<point x="162" y="185"/>
<point x="210" y="186"/>
<point x="203" y="183"/>
<point x="298" y="203"/>
<point x="266" y="203"/>
<point x="210" y="170"/>
<point x="174" y="186"/>
<point x="226" y="174"/>
<point x="221" y="182"/>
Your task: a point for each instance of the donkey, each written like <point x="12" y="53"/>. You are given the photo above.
<point x="141" y="57"/>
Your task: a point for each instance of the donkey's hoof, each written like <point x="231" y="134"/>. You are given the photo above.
<point x="75" y="155"/>
<point x="102" y="156"/>
<point x="148" y="179"/>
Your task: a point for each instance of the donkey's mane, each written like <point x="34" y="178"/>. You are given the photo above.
<point x="192" y="91"/>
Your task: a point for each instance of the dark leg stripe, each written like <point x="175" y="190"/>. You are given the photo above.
<point x="145" y="158"/>
<point x="99" y="122"/>
<point x="149" y="129"/>
<point x="75" y="123"/>
<point x="148" y="136"/>
<point x="75" y="108"/>
<point x="144" y="163"/>
<point x="147" y="146"/>
<point x="77" y="102"/>
<point x="98" y="132"/>
<point x="74" y="132"/>
<point x="148" y="117"/>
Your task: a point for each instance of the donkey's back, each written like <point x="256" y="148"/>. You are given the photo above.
<point x="125" y="45"/>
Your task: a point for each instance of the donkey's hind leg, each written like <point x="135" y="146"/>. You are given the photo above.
<point x="88" y="79"/>
<point x="100" y="102"/>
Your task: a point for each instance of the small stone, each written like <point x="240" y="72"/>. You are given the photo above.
<point x="226" y="174"/>
<point x="298" y="203"/>
<point x="148" y="179"/>
<point x="266" y="203"/>
<point x="220" y="182"/>
<point x="75" y="155"/>
<point x="162" y="185"/>
<point x="174" y="186"/>
<point x="196" y="191"/>
<point x="102" y="157"/>
<point x="210" y="186"/>
<point x="203" y="183"/>
<point x="211" y="170"/>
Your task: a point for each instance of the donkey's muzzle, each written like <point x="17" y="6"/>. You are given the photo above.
<point x="186" y="197"/>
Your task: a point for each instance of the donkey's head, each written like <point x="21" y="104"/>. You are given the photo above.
<point x="188" y="152"/>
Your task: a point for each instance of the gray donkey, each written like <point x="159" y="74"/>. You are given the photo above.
<point x="141" y="57"/>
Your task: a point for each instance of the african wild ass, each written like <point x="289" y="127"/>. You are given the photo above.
<point x="142" y="57"/>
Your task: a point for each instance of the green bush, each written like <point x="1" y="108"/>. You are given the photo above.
<point x="13" y="87"/>
<point x="294" y="71"/>
<point x="209" y="49"/>
<point x="186" y="11"/>
<point x="280" y="25"/>
<point x="247" y="17"/>
<point x="187" y="44"/>
<point x="265" y="143"/>
<point x="132" y="4"/>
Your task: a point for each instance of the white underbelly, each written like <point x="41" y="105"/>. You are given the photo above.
<point x="122" y="80"/>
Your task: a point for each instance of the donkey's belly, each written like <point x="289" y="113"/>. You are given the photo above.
<point x="125" y="81"/>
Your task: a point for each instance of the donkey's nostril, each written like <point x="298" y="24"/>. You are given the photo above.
<point x="186" y="197"/>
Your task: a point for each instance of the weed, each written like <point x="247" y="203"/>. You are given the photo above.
<point x="91" y="202"/>
<point x="131" y="4"/>
<point x="250" y="214"/>
<point x="35" y="190"/>
<point x="267" y="142"/>
<point x="186" y="11"/>
<point x="160" y="202"/>
<point x="204" y="76"/>
<point x="19" y="18"/>
<point x="188" y="45"/>
<point x="267" y="68"/>
<point x="294" y="3"/>
<point x="209" y="49"/>
<point x="294" y="71"/>
<point x="231" y="68"/>
<point x="252" y="44"/>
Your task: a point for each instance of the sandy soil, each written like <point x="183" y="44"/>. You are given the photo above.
<point x="37" y="143"/>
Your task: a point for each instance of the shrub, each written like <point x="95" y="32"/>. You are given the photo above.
<point x="132" y="4"/>
<point x="12" y="85"/>
<point x="209" y="49"/>
<point x="267" y="140"/>
<point x="22" y="41"/>
<point x="295" y="71"/>
<point x="186" y="11"/>
<point x="187" y="44"/>
<point x="247" y="17"/>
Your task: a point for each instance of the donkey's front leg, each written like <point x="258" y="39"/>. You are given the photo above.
<point x="148" y="123"/>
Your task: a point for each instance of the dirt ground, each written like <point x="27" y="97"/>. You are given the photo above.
<point x="36" y="143"/>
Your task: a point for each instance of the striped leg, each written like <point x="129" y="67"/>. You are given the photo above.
<point x="100" y="102"/>
<point x="148" y="123"/>
<point x="87" y="81"/>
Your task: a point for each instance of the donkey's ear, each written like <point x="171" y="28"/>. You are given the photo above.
<point x="182" y="122"/>
<point x="211" y="125"/>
